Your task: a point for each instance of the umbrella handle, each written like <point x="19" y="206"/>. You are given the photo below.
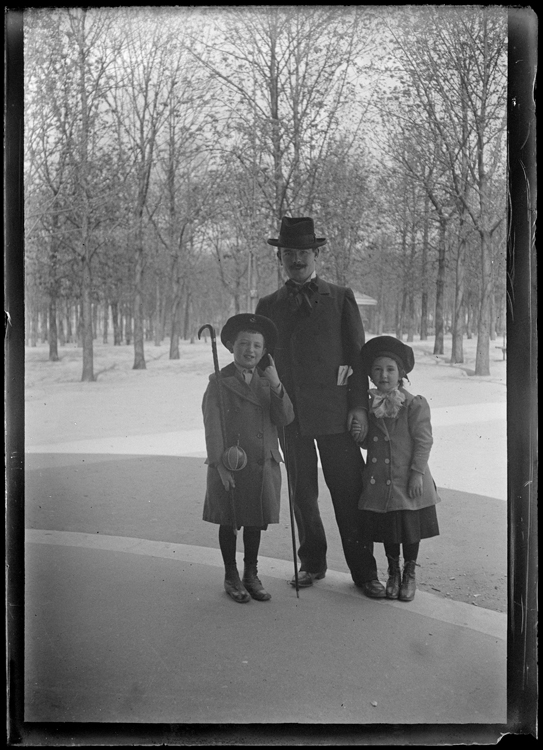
<point x="221" y="408"/>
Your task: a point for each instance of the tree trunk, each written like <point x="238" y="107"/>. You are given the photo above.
<point x="482" y="360"/>
<point x="34" y="326"/>
<point x="410" y="316"/>
<point x="69" y="330"/>
<point x="43" y="327"/>
<point x="82" y="187"/>
<point x="176" y="291"/>
<point x="60" y="326"/>
<point x="139" y="350"/>
<point x="128" y="326"/>
<point x="117" y="333"/>
<point x="424" y="274"/>
<point x="158" y="315"/>
<point x="86" y="320"/>
<point x="175" y="328"/>
<point x="106" y="322"/>
<point x="187" y="321"/>
<point x="457" y="354"/>
<point x="440" y="288"/>
<point x="53" y="334"/>
<point x="95" y="325"/>
<point x="492" y="318"/>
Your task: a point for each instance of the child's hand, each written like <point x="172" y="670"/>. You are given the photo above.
<point x="414" y="485"/>
<point x="356" y="430"/>
<point x="357" y="424"/>
<point x="270" y="373"/>
<point x="227" y="478"/>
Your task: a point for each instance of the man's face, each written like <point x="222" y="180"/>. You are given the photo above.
<point x="248" y="349"/>
<point x="298" y="264"/>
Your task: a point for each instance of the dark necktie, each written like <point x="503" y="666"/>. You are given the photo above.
<point x="300" y="295"/>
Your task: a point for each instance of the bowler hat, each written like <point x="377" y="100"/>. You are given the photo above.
<point x="297" y="234"/>
<point x="388" y="346"/>
<point x="250" y="322"/>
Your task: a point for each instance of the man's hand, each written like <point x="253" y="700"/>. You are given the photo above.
<point x="227" y="478"/>
<point x="357" y="424"/>
<point x="414" y="485"/>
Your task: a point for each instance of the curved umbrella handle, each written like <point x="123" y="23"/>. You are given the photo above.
<point x="221" y="407"/>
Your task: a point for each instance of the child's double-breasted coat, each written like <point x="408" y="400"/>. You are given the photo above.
<point x="252" y="413"/>
<point x="395" y="447"/>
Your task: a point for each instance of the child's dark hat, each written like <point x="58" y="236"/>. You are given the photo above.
<point x="297" y="233"/>
<point x="388" y="346"/>
<point x="250" y="322"/>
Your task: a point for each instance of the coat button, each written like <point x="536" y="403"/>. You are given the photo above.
<point x="374" y="460"/>
<point x="388" y="481"/>
<point x="387" y="460"/>
<point x="386" y="440"/>
<point x="375" y="439"/>
<point x="259" y="435"/>
<point x="372" y="481"/>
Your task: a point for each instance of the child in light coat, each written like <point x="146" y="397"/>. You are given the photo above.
<point x="399" y="494"/>
<point x="247" y="494"/>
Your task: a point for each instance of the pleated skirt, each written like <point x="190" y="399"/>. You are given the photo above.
<point x="399" y="526"/>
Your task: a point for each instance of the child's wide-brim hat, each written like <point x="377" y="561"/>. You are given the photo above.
<point x="387" y="346"/>
<point x="250" y="322"/>
<point x="297" y="233"/>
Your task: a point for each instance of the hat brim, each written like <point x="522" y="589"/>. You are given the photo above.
<point x="385" y="346"/>
<point x="319" y="241"/>
<point x="248" y="321"/>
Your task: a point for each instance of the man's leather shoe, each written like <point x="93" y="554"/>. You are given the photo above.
<point x="305" y="578"/>
<point x="373" y="589"/>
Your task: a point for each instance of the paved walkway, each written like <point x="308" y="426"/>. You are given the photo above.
<point x="129" y="630"/>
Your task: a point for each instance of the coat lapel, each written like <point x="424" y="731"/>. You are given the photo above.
<point x="231" y="381"/>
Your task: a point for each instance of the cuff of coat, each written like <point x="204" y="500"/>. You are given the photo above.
<point x="419" y="469"/>
<point x="278" y="391"/>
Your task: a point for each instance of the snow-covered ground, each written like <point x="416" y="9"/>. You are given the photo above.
<point x="157" y="411"/>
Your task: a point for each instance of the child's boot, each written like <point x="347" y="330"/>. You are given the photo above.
<point x="394" y="578"/>
<point x="233" y="586"/>
<point x="252" y="583"/>
<point x="408" y="587"/>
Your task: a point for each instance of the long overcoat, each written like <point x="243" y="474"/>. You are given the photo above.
<point x="310" y="352"/>
<point x="395" y="447"/>
<point x="252" y="413"/>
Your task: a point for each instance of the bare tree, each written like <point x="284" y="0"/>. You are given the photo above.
<point x="139" y="101"/>
<point x="458" y="70"/>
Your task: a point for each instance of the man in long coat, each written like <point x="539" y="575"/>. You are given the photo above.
<point x="318" y="360"/>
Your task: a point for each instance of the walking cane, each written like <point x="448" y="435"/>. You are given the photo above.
<point x="223" y="420"/>
<point x="291" y="510"/>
